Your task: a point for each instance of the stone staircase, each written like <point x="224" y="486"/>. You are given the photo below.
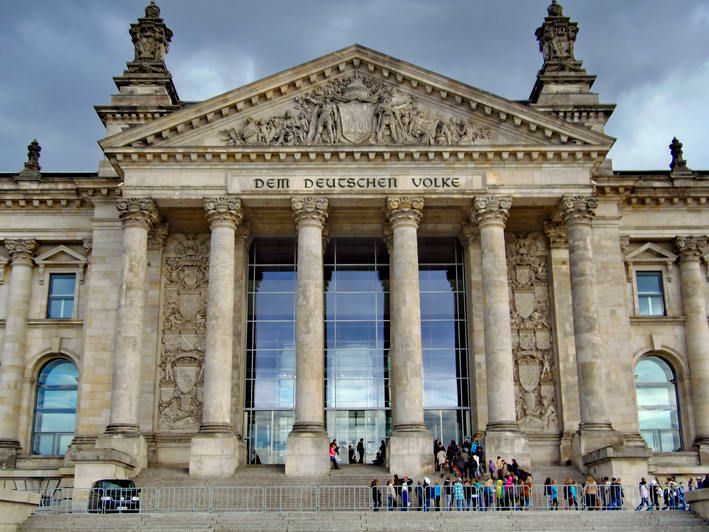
<point x="670" y="521"/>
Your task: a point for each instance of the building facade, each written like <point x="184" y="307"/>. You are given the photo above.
<point x="352" y="248"/>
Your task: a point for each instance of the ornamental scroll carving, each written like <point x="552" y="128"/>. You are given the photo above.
<point x="535" y="386"/>
<point x="356" y="110"/>
<point x="184" y="327"/>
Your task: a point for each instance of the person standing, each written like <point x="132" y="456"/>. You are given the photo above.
<point x="391" y="495"/>
<point x="333" y="455"/>
<point x="351" y="455"/>
<point x="591" y="494"/>
<point x="644" y="496"/>
<point x="360" y="450"/>
<point x="459" y="494"/>
<point x="376" y="495"/>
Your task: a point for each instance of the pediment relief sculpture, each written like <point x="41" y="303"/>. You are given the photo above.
<point x="356" y="110"/>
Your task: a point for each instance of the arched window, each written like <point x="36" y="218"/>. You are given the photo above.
<point x="55" y="407"/>
<point x="657" y="404"/>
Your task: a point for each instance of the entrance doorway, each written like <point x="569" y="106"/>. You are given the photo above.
<point x="348" y="426"/>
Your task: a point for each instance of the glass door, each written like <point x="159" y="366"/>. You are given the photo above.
<point x="348" y="426"/>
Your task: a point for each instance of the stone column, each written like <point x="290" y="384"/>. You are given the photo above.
<point x="503" y="437"/>
<point x="13" y="347"/>
<point x="691" y="251"/>
<point x="215" y="451"/>
<point x="241" y="278"/>
<point x="123" y="433"/>
<point x="595" y="430"/>
<point x="410" y="443"/>
<point x="307" y="453"/>
<point x="563" y="335"/>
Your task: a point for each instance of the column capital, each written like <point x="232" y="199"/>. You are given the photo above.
<point x="243" y="234"/>
<point x="158" y="236"/>
<point x="223" y="211"/>
<point x="490" y="209"/>
<point x="577" y="209"/>
<point x="310" y="210"/>
<point x="22" y="250"/>
<point x="141" y="212"/>
<point x="690" y="247"/>
<point x="469" y="233"/>
<point x="404" y="210"/>
<point x="556" y="235"/>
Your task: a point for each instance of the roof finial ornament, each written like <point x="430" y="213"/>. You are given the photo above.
<point x="678" y="165"/>
<point x="151" y="40"/>
<point x="557" y="36"/>
<point x="555" y="10"/>
<point x="32" y="167"/>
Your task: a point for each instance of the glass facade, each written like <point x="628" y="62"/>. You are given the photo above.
<point x="357" y="402"/>
<point x="657" y="404"/>
<point x="55" y="408"/>
<point x="270" y="354"/>
<point x="357" y="342"/>
<point x="444" y="338"/>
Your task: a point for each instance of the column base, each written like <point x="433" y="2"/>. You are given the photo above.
<point x="132" y="444"/>
<point x="8" y="453"/>
<point x="215" y="455"/>
<point x="703" y="448"/>
<point x="307" y="454"/>
<point x="504" y="439"/>
<point x="410" y="452"/>
<point x="626" y="463"/>
<point x="591" y="437"/>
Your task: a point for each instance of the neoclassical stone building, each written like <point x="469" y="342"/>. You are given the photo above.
<point x="352" y="248"/>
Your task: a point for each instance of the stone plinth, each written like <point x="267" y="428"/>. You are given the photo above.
<point x="699" y="502"/>
<point x="16" y="507"/>
<point x="627" y="463"/>
<point x="507" y="442"/>
<point x="215" y="455"/>
<point x="307" y="454"/>
<point x="411" y="453"/>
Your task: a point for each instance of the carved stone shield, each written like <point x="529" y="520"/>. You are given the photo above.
<point x="185" y="377"/>
<point x="524" y="303"/>
<point x="527" y="340"/>
<point x="529" y="372"/>
<point x="543" y="339"/>
<point x="357" y="119"/>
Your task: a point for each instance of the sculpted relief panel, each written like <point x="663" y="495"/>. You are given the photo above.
<point x="356" y="110"/>
<point x="535" y="386"/>
<point x="184" y="322"/>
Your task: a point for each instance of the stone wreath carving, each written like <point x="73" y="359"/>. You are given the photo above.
<point x="535" y="387"/>
<point x="184" y="323"/>
<point x="356" y="110"/>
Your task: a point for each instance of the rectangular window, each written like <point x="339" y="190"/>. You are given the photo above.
<point x="651" y="300"/>
<point x="60" y="304"/>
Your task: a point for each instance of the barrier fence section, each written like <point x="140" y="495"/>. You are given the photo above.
<point x="354" y="498"/>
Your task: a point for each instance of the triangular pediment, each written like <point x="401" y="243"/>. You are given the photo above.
<point x="650" y="253"/>
<point x="61" y="255"/>
<point x="353" y="98"/>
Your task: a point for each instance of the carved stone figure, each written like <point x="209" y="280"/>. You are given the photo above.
<point x="355" y="110"/>
<point x="535" y="386"/>
<point x="151" y="40"/>
<point x="184" y="323"/>
<point x="678" y="163"/>
<point x="32" y="167"/>
<point x="557" y="36"/>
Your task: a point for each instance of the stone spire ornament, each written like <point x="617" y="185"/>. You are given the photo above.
<point x="151" y="40"/>
<point x="557" y="36"/>
<point x="32" y="167"/>
<point x="678" y="165"/>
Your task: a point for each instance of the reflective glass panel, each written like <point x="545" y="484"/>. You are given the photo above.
<point x="55" y="408"/>
<point x="657" y="404"/>
<point x="60" y="304"/>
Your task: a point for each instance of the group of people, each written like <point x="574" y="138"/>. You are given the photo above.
<point x="670" y="496"/>
<point x="334" y="453"/>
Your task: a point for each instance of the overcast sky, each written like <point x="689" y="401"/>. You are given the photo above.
<point x="58" y="59"/>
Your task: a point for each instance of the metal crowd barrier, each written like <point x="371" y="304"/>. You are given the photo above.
<point x="348" y="498"/>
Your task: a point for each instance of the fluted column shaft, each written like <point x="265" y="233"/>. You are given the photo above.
<point x="691" y="251"/>
<point x="138" y="216"/>
<point x="14" y="339"/>
<point x="577" y="213"/>
<point x="310" y="215"/>
<point x="224" y="215"/>
<point x="490" y="213"/>
<point x="406" y="356"/>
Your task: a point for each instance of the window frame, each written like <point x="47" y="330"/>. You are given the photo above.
<point x="37" y="388"/>
<point x="644" y="270"/>
<point x="75" y="297"/>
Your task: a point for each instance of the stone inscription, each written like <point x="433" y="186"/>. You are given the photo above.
<point x="237" y="184"/>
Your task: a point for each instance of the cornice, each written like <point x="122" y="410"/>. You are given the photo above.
<point x="301" y="78"/>
<point x="74" y="194"/>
